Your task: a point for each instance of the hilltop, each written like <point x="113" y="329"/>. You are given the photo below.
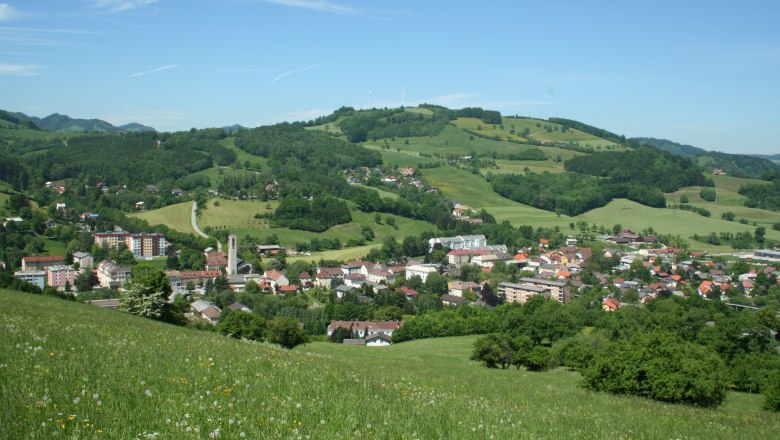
<point x="65" y="124"/>
<point x="738" y="165"/>
<point x="78" y="370"/>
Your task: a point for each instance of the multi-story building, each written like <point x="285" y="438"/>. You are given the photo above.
<point x="112" y="276"/>
<point x="83" y="259"/>
<point x="520" y="293"/>
<point x="141" y="245"/>
<point x="559" y="290"/>
<point x="421" y="270"/>
<point x="37" y="277"/>
<point x="41" y="262"/>
<point x="60" y="275"/>
<point x="470" y="242"/>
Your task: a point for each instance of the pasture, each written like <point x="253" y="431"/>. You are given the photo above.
<point x="72" y="370"/>
<point x="176" y="217"/>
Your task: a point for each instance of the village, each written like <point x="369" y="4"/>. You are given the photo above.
<point x="640" y="270"/>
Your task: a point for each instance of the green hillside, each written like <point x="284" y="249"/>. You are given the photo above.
<point x="72" y="370"/>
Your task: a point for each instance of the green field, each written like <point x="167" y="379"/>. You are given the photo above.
<point x="176" y="217"/>
<point x="667" y="221"/>
<point x="243" y="156"/>
<point x="238" y="217"/>
<point x="71" y="370"/>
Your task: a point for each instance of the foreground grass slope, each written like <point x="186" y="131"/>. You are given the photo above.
<point x="74" y="371"/>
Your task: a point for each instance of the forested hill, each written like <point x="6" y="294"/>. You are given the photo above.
<point x="66" y="124"/>
<point x="738" y="165"/>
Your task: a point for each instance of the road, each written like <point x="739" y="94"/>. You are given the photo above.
<point x="195" y="221"/>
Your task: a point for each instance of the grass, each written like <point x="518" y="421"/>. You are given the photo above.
<point x="667" y="221"/>
<point x="176" y="216"/>
<point x="72" y="370"/>
<point x="238" y="217"/>
<point x="243" y="156"/>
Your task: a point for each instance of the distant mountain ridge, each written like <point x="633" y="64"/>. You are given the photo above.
<point x="738" y="165"/>
<point x="66" y="124"/>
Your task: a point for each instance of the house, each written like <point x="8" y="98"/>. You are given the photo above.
<point x="343" y="289"/>
<point x="268" y="249"/>
<point x="326" y="275"/>
<point x="378" y="340"/>
<point x="366" y="328"/>
<point x="421" y="270"/>
<point x="216" y="260"/>
<point x="238" y="306"/>
<point x="380" y="277"/>
<point x="459" y="288"/>
<point x="410" y="294"/>
<point x="60" y="275"/>
<point x="452" y="300"/>
<point x="276" y="279"/>
<point x="36" y="277"/>
<point x="610" y="304"/>
<point x="407" y="171"/>
<point x="180" y="279"/>
<point x="207" y="311"/>
<point x="83" y="259"/>
<point x="111" y="275"/>
<point x="41" y="262"/>
<point x="290" y="288"/>
<point x="306" y="281"/>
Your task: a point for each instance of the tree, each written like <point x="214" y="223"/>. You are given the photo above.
<point x="241" y="325"/>
<point x="285" y="332"/>
<point x="772" y="393"/>
<point x="684" y="198"/>
<point x="661" y="366"/>
<point x="85" y="280"/>
<point x="147" y="294"/>
<point x="493" y="350"/>
<point x="339" y="334"/>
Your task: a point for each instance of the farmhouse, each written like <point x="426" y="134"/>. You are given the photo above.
<point x="378" y="340"/>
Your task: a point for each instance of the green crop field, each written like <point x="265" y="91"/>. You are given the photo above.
<point x="178" y="217"/>
<point x="71" y="370"/>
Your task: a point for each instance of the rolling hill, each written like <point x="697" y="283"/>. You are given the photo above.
<point x="74" y="370"/>
<point x="66" y="124"/>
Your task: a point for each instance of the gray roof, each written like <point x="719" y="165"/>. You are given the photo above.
<point x="543" y="282"/>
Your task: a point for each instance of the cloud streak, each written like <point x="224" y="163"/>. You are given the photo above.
<point x="122" y="5"/>
<point x="293" y="72"/>
<point x="19" y="69"/>
<point x="317" y="5"/>
<point x="155" y="70"/>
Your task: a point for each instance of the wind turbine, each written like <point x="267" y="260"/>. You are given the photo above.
<point x="370" y="92"/>
<point x="403" y="94"/>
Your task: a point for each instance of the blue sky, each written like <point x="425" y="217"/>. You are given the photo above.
<point x="705" y="73"/>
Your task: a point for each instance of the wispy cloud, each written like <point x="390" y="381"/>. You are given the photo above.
<point x="8" y="12"/>
<point x="122" y="5"/>
<point x="19" y="69"/>
<point x="292" y="72"/>
<point x="155" y="70"/>
<point x="317" y="5"/>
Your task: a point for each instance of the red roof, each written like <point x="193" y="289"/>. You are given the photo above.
<point x="289" y="288"/>
<point x="408" y="291"/>
<point x="42" y="259"/>
<point x="459" y="252"/>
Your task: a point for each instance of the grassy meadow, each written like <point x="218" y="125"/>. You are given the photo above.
<point x="178" y="217"/>
<point x="71" y="370"/>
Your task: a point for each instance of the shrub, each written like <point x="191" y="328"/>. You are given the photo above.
<point x="660" y="366"/>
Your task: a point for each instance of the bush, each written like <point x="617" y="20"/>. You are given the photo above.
<point x="241" y="325"/>
<point x="772" y="393"/>
<point x="708" y="194"/>
<point x="660" y="366"/>
<point x="285" y="332"/>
